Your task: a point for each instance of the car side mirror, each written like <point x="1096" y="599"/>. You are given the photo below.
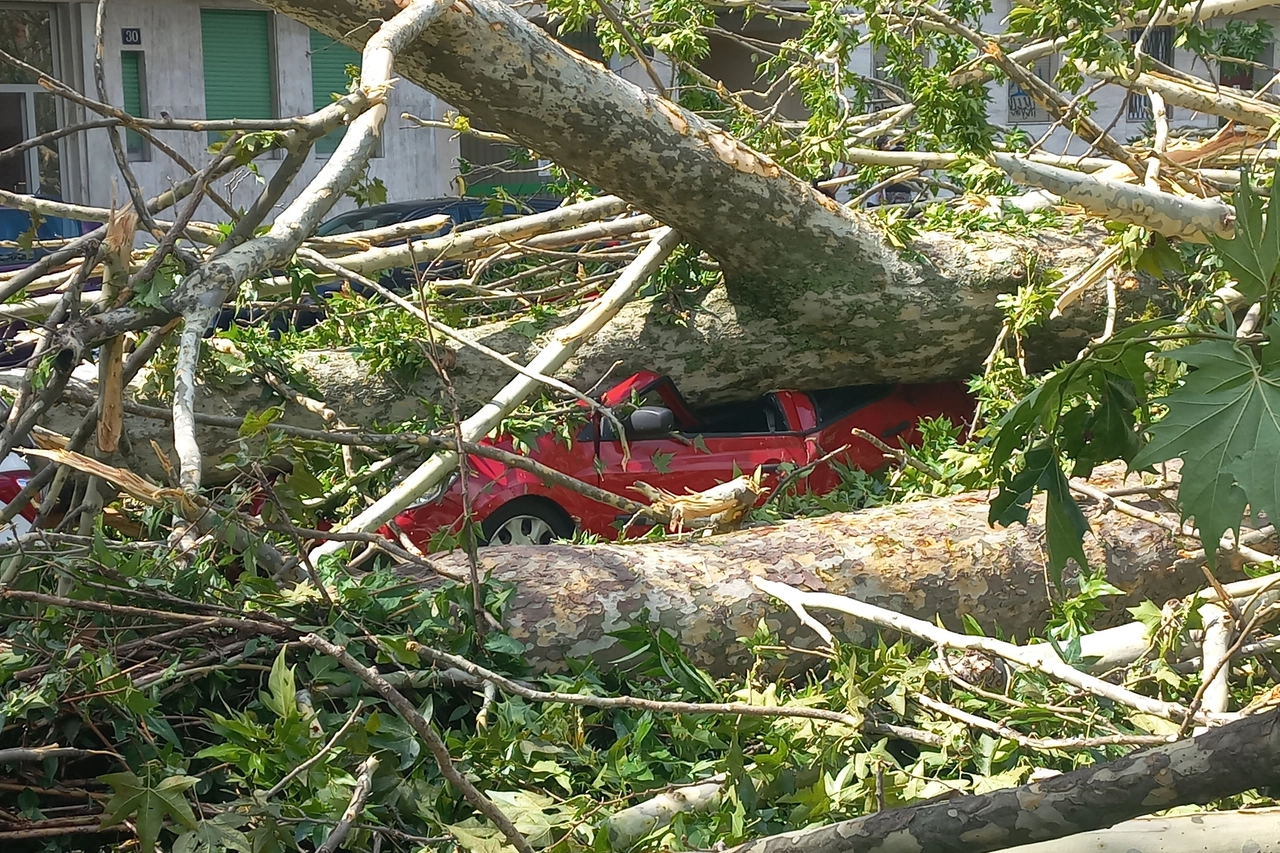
<point x="651" y="420"/>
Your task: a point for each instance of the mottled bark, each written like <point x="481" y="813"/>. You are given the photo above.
<point x="1221" y="763"/>
<point x="808" y="281"/>
<point x="1251" y="831"/>
<point x="935" y="557"/>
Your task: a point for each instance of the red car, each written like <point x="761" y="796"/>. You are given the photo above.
<point x="675" y="447"/>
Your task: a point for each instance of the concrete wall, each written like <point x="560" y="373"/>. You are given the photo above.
<point x="413" y="163"/>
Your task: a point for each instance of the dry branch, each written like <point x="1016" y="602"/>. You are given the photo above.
<point x="1042" y="658"/>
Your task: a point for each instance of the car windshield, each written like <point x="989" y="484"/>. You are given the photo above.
<point x="363" y="220"/>
<point x="834" y="403"/>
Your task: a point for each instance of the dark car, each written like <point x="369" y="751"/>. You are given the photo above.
<point x="15" y="225"/>
<point x="460" y="210"/>
<point x="15" y="230"/>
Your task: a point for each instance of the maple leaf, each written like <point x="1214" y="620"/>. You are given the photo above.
<point x="1224" y="422"/>
<point x="148" y="804"/>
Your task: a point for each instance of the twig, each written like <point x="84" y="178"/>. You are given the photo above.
<point x="791" y="477"/>
<point x="364" y="784"/>
<point x="902" y="456"/>
<point x="424" y="730"/>
<point x="17" y="755"/>
<point x="253" y="626"/>
<point x="701" y="708"/>
<point x="1044" y="660"/>
<point x="1029" y="741"/>
<point x="616" y="19"/>
<point x="311" y="762"/>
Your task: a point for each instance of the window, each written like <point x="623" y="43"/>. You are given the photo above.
<point x="134" y="76"/>
<point x="26" y="108"/>
<point x="329" y="62"/>
<point x="835" y="403"/>
<point x="1159" y="46"/>
<point x="239" y="81"/>
<point x="1023" y="108"/>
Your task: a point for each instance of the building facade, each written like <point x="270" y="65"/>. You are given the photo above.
<point x="204" y="59"/>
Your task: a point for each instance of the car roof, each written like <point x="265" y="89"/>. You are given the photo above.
<point x="458" y="209"/>
<point x="15" y="222"/>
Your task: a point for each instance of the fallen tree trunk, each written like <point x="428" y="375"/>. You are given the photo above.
<point x="812" y="290"/>
<point x="931" y="558"/>
<point x="1251" y="831"/>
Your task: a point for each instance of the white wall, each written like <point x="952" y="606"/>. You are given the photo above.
<point x="414" y="162"/>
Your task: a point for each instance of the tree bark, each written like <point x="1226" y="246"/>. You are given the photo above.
<point x="811" y="287"/>
<point x="1252" y="831"/>
<point x="935" y="557"/>
<point x="1220" y="763"/>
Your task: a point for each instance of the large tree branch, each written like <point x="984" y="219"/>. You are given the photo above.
<point x="796" y="264"/>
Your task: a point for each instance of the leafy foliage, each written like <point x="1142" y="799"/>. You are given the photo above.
<point x="224" y="735"/>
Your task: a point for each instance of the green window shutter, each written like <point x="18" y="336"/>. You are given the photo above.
<point x="329" y="61"/>
<point x="238" y="82"/>
<point x="132" y="74"/>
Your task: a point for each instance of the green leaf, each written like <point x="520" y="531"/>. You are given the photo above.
<point x="304" y="483"/>
<point x="216" y="835"/>
<point x="662" y="461"/>
<point x="700" y="445"/>
<point x="504" y="644"/>
<point x="478" y="838"/>
<point x="1064" y="523"/>
<point x="255" y="423"/>
<point x="1149" y="615"/>
<point x="1223" y="421"/>
<point x="1252" y="254"/>
<point x="147" y="806"/>
<point x="282" y="692"/>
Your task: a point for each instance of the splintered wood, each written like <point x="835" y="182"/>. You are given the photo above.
<point x="720" y="508"/>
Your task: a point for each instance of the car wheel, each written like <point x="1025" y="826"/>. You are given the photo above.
<point x="527" y="521"/>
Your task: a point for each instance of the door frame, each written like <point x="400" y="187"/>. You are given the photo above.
<point x="32" y="155"/>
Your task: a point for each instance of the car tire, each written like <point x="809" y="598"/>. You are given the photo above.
<point x="527" y="521"/>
